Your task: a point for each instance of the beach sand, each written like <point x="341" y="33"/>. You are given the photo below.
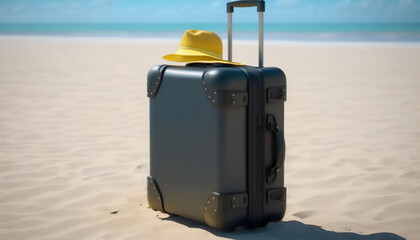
<point x="74" y="151"/>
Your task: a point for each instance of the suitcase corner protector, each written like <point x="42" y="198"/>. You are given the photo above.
<point x="220" y="97"/>
<point x="154" y="80"/>
<point x="225" y="211"/>
<point x="154" y="197"/>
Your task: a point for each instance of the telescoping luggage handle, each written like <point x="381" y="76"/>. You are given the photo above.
<point x="260" y="9"/>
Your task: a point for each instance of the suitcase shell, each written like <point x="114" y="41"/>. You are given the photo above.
<point x="211" y="147"/>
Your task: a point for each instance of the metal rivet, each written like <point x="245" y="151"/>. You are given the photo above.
<point x="215" y="92"/>
<point x="215" y="210"/>
<point x="233" y="205"/>
<point x="208" y="202"/>
<point x="234" y="102"/>
<point x="212" y="198"/>
<point x="233" y="95"/>
<point x="159" y="198"/>
<point x="234" y="198"/>
<point x="205" y="208"/>
<point x="209" y="97"/>
<point x="156" y="83"/>
<point x="214" y="100"/>
<point x="204" y="82"/>
<point x="205" y="89"/>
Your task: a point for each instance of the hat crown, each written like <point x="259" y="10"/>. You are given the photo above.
<point x="199" y="46"/>
<point x="202" y="41"/>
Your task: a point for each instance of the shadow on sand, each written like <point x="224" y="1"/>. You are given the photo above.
<point x="291" y="230"/>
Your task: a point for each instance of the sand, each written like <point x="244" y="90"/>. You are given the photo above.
<point x="74" y="135"/>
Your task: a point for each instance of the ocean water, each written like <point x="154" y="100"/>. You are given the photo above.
<point x="273" y="31"/>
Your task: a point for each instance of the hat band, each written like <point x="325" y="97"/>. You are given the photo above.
<point x="216" y="55"/>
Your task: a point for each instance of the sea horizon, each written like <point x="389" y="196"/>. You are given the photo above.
<point x="364" y="32"/>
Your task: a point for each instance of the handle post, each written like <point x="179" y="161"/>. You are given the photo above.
<point x="230" y="36"/>
<point x="260" y="9"/>
<point x="261" y="39"/>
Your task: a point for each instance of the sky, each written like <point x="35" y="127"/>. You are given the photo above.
<point x="93" y="11"/>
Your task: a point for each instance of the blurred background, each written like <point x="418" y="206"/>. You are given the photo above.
<point x="342" y="20"/>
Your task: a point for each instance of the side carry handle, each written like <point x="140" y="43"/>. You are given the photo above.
<point x="279" y="149"/>
<point x="260" y="9"/>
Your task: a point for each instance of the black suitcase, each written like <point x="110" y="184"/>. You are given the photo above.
<point x="216" y="141"/>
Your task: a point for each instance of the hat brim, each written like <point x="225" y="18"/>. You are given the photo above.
<point x="219" y="61"/>
<point x="188" y="55"/>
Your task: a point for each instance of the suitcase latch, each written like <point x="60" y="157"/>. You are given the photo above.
<point x="229" y="98"/>
<point x="276" y="94"/>
<point x="226" y="202"/>
<point x="238" y="201"/>
<point x="276" y="195"/>
<point x="237" y="98"/>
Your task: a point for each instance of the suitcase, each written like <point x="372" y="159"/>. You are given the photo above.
<point x="217" y="143"/>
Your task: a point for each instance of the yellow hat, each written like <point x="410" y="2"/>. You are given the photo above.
<point x="199" y="46"/>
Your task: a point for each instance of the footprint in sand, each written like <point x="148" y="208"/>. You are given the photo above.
<point x="304" y="214"/>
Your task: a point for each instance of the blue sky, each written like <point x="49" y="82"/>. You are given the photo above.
<point x="207" y="11"/>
